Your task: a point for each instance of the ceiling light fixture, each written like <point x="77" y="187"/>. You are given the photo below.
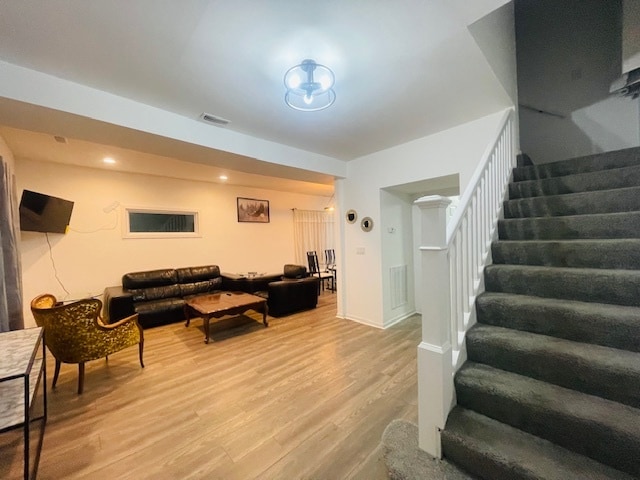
<point x="309" y="87"/>
<point x="108" y="160"/>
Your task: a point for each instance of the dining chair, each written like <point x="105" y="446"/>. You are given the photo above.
<point x="330" y="262"/>
<point x="314" y="269"/>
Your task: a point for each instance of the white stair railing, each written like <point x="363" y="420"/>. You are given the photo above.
<point x="453" y="255"/>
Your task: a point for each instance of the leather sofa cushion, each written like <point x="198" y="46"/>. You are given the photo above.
<point x="197" y="274"/>
<point x="155" y="293"/>
<point x="156" y="306"/>
<point x="295" y="271"/>
<point x="151" y="278"/>
<point x="196" y="288"/>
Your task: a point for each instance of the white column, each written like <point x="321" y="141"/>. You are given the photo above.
<point x="435" y="367"/>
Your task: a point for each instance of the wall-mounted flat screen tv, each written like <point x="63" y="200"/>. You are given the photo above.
<point x="44" y="213"/>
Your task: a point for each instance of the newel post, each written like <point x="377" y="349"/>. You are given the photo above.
<point x="435" y="366"/>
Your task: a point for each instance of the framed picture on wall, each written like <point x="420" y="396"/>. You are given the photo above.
<point x="253" y="210"/>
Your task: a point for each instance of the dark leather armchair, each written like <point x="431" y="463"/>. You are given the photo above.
<point x="296" y="291"/>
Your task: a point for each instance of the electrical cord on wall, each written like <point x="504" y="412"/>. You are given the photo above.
<point x="107" y="210"/>
<point x="53" y="263"/>
<point x="113" y="227"/>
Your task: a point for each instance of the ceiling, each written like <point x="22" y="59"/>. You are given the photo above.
<point x="397" y="72"/>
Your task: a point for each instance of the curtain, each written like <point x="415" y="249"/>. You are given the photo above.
<point x="312" y="230"/>
<point x="11" y="281"/>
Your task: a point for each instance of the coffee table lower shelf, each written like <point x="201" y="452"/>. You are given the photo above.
<point x="218" y="305"/>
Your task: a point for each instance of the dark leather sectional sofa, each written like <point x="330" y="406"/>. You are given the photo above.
<point x="158" y="296"/>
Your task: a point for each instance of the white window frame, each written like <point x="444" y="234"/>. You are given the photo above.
<point x="127" y="233"/>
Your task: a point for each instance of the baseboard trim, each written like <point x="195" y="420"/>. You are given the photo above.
<point x="363" y="321"/>
<point x="391" y="323"/>
<point x="399" y="319"/>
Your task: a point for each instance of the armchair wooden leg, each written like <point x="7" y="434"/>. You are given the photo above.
<point x="80" y="377"/>
<point x="140" y="349"/>
<point x="56" y="373"/>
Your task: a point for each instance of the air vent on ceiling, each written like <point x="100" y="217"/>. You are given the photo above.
<point x="59" y="139"/>
<point x="219" y="121"/>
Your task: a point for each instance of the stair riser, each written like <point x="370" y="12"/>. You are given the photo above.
<point x="620" y="383"/>
<point x="494" y="450"/>
<point x="577" y="323"/>
<point x="476" y="462"/>
<point x="606" y="254"/>
<point x="604" y="201"/>
<point x="569" y="228"/>
<point x="585" y="182"/>
<point x="617" y="287"/>
<point x="612" y="448"/>
<point x="602" y="161"/>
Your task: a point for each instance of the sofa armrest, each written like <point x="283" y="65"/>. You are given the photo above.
<point x="118" y="304"/>
<point x="260" y="283"/>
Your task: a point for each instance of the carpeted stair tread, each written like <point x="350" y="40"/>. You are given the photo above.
<point x="601" y="225"/>
<point x="603" y="324"/>
<point x="581" y="182"/>
<point x="613" y="253"/>
<point x="599" y="201"/>
<point x="596" y="370"/>
<point x="620" y="287"/>
<point x="588" y="163"/>
<point x="568" y="418"/>
<point x="481" y="444"/>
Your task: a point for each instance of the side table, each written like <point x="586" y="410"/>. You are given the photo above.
<point x="22" y="372"/>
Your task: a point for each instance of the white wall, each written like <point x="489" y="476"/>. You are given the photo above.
<point x="610" y="124"/>
<point x="88" y="262"/>
<point x="397" y="240"/>
<point x="568" y="54"/>
<point x="630" y="35"/>
<point x="454" y="151"/>
<point x="495" y="34"/>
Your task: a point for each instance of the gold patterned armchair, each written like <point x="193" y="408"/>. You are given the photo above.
<point x="75" y="333"/>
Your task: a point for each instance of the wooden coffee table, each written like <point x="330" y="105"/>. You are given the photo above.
<point x="218" y="305"/>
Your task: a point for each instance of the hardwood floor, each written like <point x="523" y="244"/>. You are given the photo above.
<point x="306" y="398"/>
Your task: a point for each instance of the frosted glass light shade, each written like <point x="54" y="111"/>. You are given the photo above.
<point x="309" y="86"/>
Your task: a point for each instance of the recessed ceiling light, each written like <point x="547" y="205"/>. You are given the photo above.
<point x="223" y="177"/>
<point x="108" y="160"/>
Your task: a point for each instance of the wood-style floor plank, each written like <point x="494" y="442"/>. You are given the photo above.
<point x="306" y="398"/>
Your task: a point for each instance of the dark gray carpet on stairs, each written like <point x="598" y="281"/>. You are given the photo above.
<point x="581" y="182"/>
<point x="605" y="253"/>
<point x="551" y="385"/>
